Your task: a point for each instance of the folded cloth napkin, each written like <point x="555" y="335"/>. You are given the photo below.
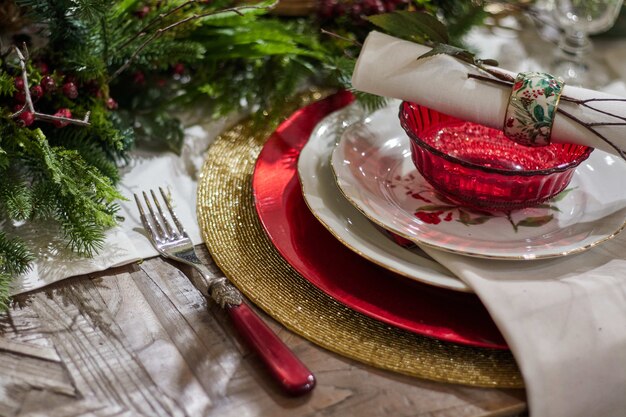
<point x="564" y="318"/>
<point x="565" y="322"/>
<point x="389" y="67"/>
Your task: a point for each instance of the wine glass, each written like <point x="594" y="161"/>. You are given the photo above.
<point x="578" y="19"/>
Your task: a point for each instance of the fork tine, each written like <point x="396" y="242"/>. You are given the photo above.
<point x="144" y="220"/>
<point x="166" y="223"/>
<point x="180" y="227"/>
<point x="157" y="224"/>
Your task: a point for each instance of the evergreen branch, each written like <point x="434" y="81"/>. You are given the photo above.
<point x="15" y="258"/>
<point x="159" y="32"/>
<point x="5" y="286"/>
<point x="15" y="197"/>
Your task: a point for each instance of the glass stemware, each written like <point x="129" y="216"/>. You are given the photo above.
<point x="578" y="19"/>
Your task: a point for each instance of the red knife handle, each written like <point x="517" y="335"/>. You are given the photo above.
<point x="292" y="375"/>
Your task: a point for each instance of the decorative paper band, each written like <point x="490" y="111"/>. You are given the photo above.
<point x="532" y="107"/>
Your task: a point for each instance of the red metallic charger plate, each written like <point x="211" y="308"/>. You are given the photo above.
<point x="342" y="274"/>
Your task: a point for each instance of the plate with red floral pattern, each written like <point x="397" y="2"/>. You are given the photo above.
<point x="346" y="223"/>
<point x="373" y="169"/>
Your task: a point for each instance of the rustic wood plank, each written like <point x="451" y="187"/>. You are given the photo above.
<point x="143" y="340"/>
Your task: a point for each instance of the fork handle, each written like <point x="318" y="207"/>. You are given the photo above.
<point x="292" y="375"/>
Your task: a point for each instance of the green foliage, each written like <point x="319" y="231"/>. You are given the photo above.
<point x="57" y="184"/>
<point x="15" y="259"/>
<point x="412" y="26"/>
<point x="120" y="50"/>
<point x="424" y="28"/>
<point x="460" y="16"/>
<point x="14" y="256"/>
<point x="7" y="84"/>
<point x="15" y="197"/>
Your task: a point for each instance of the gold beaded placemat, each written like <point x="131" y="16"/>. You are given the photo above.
<point x="240" y="247"/>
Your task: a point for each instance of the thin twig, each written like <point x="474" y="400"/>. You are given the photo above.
<point x="159" y="32"/>
<point x="587" y="125"/>
<point x="589" y="100"/>
<point x="490" y="79"/>
<point x="161" y="16"/>
<point x="607" y="124"/>
<point x="28" y="105"/>
<point x="343" y="38"/>
<point x="51" y="118"/>
<point x="594" y="131"/>
<point x="22" y="59"/>
<point x="584" y="104"/>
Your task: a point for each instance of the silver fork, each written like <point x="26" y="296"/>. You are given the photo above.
<point x="173" y="242"/>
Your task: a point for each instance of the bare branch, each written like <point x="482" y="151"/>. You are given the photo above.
<point x="22" y="58"/>
<point x="51" y="118"/>
<point x="159" y="32"/>
<point x="343" y="38"/>
<point x="160" y="17"/>
<point x="584" y="104"/>
<point x="590" y="126"/>
<point x="594" y="131"/>
<point x="490" y="79"/>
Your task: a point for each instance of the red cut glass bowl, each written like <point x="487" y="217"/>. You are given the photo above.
<point x="479" y="167"/>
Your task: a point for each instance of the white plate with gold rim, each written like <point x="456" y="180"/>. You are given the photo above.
<point x="345" y="222"/>
<point x="373" y="168"/>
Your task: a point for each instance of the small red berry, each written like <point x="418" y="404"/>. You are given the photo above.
<point x="161" y="82"/>
<point x="339" y="10"/>
<point x="179" y="69"/>
<point x="48" y="84"/>
<point x="356" y="10"/>
<point x="111" y="104"/>
<point x="43" y="68"/>
<point x="139" y="78"/>
<point x="19" y="83"/>
<point x="62" y="113"/>
<point x="142" y="12"/>
<point x="36" y="92"/>
<point x="20" y="97"/>
<point x="92" y="86"/>
<point x="70" y="90"/>
<point x="26" y="118"/>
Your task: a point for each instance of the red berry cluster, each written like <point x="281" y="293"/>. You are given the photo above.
<point x="356" y="10"/>
<point x="48" y="88"/>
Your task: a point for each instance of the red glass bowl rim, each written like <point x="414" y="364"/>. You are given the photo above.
<point x="526" y="173"/>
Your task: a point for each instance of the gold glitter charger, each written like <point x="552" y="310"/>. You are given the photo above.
<point x="239" y="246"/>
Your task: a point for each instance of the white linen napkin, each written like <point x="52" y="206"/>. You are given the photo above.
<point x="389" y="67"/>
<point x="565" y="318"/>
<point x="565" y="322"/>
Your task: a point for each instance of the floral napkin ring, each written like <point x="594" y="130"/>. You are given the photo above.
<point x="532" y="107"/>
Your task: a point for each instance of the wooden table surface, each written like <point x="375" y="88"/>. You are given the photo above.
<point x="142" y="340"/>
